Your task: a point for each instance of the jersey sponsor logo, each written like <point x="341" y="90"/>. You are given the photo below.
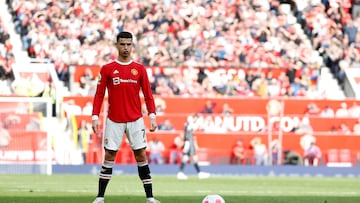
<point x="115" y="72"/>
<point x="134" y="71"/>
<point x="118" y="80"/>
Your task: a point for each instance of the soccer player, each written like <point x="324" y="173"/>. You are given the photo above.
<point x="123" y="79"/>
<point x="189" y="150"/>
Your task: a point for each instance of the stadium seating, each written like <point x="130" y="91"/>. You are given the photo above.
<point x="339" y="158"/>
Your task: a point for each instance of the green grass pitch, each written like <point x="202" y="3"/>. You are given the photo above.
<point x="127" y="189"/>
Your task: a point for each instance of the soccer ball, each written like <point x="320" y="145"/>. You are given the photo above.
<point x="213" y="198"/>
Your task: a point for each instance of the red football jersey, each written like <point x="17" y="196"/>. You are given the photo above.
<point x="123" y="82"/>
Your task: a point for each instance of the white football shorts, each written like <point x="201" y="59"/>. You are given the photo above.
<point x="135" y="132"/>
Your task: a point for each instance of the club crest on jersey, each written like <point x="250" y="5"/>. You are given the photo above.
<point x="134" y="71"/>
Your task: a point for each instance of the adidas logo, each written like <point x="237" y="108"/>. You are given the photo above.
<point x="115" y="72"/>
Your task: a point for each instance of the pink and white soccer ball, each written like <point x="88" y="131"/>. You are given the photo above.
<point x="213" y="198"/>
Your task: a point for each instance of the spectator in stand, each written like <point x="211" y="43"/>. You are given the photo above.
<point x="284" y="83"/>
<point x="201" y="75"/>
<point x="62" y="71"/>
<point x="296" y="85"/>
<point x="176" y="149"/>
<point x="260" y="151"/>
<point x="312" y="109"/>
<point x="302" y="92"/>
<point x="209" y="91"/>
<point x="355" y="11"/>
<point x="306" y="140"/>
<point x="166" y="126"/>
<point x="20" y="86"/>
<point x="312" y="92"/>
<point x="350" y="30"/>
<point x="209" y="107"/>
<point x="312" y="155"/>
<point x="276" y="151"/>
<point x="291" y="73"/>
<point x="238" y="153"/>
<point x="356" y="127"/>
<point x="260" y="86"/>
<point x="273" y="88"/>
<point x="327" y="112"/>
<point x="342" y="111"/>
<point x="307" y="77"/>
<point x="84" y="139"/>
<point x="250" y="77"/>
<point x="71" y="108"/>
<point x="354" y="110"/>
<point x="344" y="129"/>
<point x="85" y="81"/>
<point x="6" y="56"/>
<point x="87" y="109"/>
<point x="304" y="127"/>
<point x="33" y="124"/>
<point x="4" y="136"/>
<point x="160" y="105"/>
<point x="227" y="110"/>
<point x="6" y="72"/>
<point x="172" y="83"/>
<point x="163" y="89"/>
<point x="156" y="149"/>
<point x="4" y="88"/>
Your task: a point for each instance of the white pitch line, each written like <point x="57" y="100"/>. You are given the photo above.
<point x="224" y="192"/>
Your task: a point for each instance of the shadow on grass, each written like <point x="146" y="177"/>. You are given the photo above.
<point x="183" y="199"/>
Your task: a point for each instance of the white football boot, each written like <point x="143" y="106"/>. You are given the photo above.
<point x="152" y="200"/>
<point x="182" y="176"/>
<point x="203" y="175"/>
<point x="99" y="200"/>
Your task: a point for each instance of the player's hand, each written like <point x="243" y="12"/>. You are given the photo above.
<point x="153" y="124"/>
<point x="95" y="126"/>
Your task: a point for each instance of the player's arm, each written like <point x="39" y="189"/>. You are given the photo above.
<point x="149" y="99"/>
<point x="98" y="99"/>
<point x="196" y="143"/>
<point x="186" y="146"/>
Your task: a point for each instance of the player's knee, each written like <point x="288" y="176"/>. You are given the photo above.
<point x="110" y="155"/>
<point x="185" y="158"/>
<point x="140" y="155"/>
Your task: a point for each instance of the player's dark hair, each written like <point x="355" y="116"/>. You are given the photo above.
<point x="124" y="34"/>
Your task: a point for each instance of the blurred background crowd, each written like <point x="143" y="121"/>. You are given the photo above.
<point x="301" y="36"/>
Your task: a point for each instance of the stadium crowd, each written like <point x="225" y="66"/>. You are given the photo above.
<point x="6" y="60"/>
<point x="298" y="35"/>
